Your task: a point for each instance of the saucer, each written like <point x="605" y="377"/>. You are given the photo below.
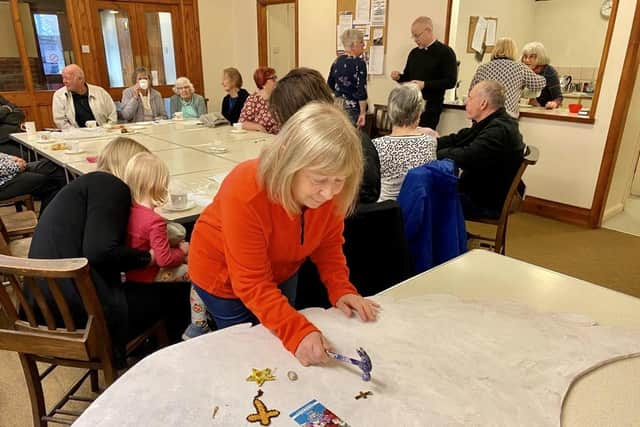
<point x="73" y="152"/>
<point x="238" y="131"/>
<point x="175" y="119"/>
<point x="170" y="208"/>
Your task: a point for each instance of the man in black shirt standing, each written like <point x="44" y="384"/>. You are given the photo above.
<point x="432" y="66"/>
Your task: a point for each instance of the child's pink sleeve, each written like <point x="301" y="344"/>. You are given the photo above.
<point x="164" y="254"/>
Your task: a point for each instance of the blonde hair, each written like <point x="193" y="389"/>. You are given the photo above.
<point x="350" y="37"/>
<point x="318" y="137"/>
<point x="538" y="49"/>
<point x="148" y="177"/>
<point x="505" y="48"/>
<point x="114" y="156"/>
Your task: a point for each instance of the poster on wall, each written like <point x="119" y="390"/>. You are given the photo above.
<point x="378" y="12"/>
<point x="345" y="23"/>
<point x="362" y="12"/>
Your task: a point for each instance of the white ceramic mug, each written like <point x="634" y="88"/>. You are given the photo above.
<point x="91" y="124"/>
<point x="29" y="127"/>
<point x="178" y="115"/>
<point x="237" y="125"/>
<point x="179" y="199"/>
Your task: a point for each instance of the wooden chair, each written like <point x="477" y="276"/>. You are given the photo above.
<point x="21" y="222"/>
<point x="511" y="204"/>
<point x="58" y="340"/>
<point x="381" y="122"/>
<point x="18" y="247"/>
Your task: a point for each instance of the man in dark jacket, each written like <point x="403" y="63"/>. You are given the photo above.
<point x="489" y="152"/>
<point x="10" y="119"/>
<point x="432" y="66"/>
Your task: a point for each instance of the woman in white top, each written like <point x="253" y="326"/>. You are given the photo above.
<point x="407" y="146"/>
<point x="514" y="75"/>
<point x="141" y="102"/>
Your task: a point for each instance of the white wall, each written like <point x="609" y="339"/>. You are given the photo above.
<point x="229" y="38"/>
<point x="570" y="153"/>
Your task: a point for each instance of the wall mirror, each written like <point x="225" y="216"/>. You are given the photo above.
<point x="278" y="34"/>
<point x="575" y="33"/>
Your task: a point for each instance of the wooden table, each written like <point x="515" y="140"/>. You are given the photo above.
<point x="478" y="275"/>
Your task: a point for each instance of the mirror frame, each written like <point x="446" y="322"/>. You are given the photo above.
<point x="596" y="94"/>
<point x="263" y="54"/>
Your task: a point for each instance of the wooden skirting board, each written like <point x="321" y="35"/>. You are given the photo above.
<point x="558" y="211"/>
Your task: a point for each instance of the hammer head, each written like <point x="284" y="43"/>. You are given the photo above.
<point x="365" y="364"/>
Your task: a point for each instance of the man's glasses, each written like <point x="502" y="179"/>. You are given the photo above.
<point x="416" y="37"/>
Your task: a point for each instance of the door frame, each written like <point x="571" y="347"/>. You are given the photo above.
<point x="263" y="37"/>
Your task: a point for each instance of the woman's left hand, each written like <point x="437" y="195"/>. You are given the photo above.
<point x="361" y="120"/>
<point x="551" y="105"/>
<point x="367" y="310"/>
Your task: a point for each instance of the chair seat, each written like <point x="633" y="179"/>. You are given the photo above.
<point x="20" y="223"/>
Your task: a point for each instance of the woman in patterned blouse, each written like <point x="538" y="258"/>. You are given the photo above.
<point x="514" y="75"/>
<point x="348" y="77"/>
<point x="534" y="55"/>
<point x="407" y="146"/>
<point x="255" y="114"/>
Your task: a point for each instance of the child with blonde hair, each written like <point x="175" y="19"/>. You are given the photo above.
<point x="148" y="179"/>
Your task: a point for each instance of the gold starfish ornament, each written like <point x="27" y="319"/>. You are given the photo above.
<point x="261" y="375"/>
<point x="262" y="415"/>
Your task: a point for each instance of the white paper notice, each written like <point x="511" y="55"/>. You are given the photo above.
<point x="376" y="60"/>
<point x="490" y="40"/>
<point x="377" y="37"/>
<point x="362" y="11"/>
<point x="478" y="35"/>
<point x="378" y="11"/>
<point x="344" y="23"/>
<point x="154" y="78"/>
<point x="364" y="29"/>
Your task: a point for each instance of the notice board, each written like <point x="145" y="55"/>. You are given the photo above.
<point x="370" y="18"/>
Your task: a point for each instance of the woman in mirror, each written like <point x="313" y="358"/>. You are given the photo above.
<point x="236" y="96"/>
<point x="255" y="114"/>
<point x="141" y="102"/>
<point x="513" y="75"/>
<point x="534" y="56"/>
<point x="186" y="100"/>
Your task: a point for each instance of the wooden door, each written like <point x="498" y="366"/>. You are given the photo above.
<point x="136" y="35"/>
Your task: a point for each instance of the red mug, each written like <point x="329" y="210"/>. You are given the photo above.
<point x="574" y="108"/>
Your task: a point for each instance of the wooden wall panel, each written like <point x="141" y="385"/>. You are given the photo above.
<point x="84" y="33"/>
<point x="193" y="53"/>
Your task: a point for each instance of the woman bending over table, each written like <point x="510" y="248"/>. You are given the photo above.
<point x="269" y="215"/>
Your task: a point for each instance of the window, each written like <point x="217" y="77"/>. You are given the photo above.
<point x="48" y="40"/>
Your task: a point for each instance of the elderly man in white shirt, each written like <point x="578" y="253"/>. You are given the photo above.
<point x="79" y="102"/>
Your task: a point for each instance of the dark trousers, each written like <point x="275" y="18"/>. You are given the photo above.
<point x="473" y="211"/>
<point x="149" y="302"/>
<point x="430" y="119"/>
<point x="42" y="179"/>
<point x="11" y="147"/>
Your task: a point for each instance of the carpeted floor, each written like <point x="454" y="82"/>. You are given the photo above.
<point x="601" y="256"/>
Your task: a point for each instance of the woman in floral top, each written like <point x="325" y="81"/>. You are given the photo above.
<point x="255" y="114"/>
<point x="348" y="77"/>
<point x="42" y="179"/>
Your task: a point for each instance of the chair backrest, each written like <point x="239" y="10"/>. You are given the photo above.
<point x="381" y="121"/>
<point x="50" y="329"/>
<point x="376" y="250"/>
<point x="512" y="200"/>
<point x="4" y="239"/>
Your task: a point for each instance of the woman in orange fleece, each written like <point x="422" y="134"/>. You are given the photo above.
<point x="268" y="216"/>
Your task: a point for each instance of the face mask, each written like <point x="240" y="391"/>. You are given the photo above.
<point x="144" y="84"/>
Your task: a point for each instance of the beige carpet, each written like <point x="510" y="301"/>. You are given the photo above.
<point x="605" y="257"/>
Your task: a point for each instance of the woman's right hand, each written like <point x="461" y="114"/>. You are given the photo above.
<point x="312" y="350"/>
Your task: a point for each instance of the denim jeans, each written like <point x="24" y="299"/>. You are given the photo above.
<point x="231" y="311"/>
